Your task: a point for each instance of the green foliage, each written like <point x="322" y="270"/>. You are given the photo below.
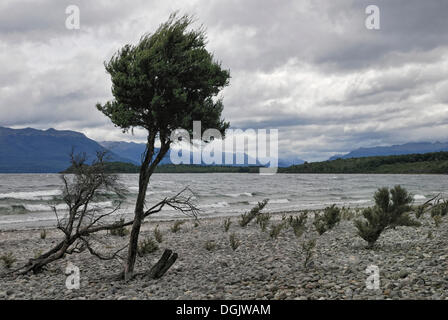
<point x="276" y="229"/>
<point x="391" y="209"/>
<point x="8" y="259"/>
<point x="147" y="246"/>
<point x="226" y="224"/>
<point x="210" y="245"/>
<point x="434" y="162"/>
<point x="234" y="241"/>
<point x="347" y="213"/>
<point x="247" y="217"/>
<point x="328" y="220"/>
<point x="298" y="223"/>
<point x="158" y="234"/>
<point x="263" y="220"/>
<point x="308" y="249"/>
<point x="43" y="234"/>
<point x="437" y="220"/>
<point x="166" y="81"/>
<point x="176" y="226"/>
<point x="119" y="230"/>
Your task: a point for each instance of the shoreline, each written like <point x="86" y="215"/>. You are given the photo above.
<point x="412" y="266"/>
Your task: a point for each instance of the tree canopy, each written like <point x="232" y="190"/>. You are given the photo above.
<point x="166" y="81"/>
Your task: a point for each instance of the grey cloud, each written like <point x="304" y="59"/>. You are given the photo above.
<point x="309" y="68"/>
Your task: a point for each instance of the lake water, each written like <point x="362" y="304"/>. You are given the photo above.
<point x="25" y="199"/>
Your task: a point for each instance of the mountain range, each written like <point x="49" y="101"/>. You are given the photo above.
<point x="44" y="151"/>
<point x="395" y="150"/>
<point x="47" y="151"/>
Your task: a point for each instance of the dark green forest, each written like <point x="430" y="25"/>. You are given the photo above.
<point x="434" y="163"/>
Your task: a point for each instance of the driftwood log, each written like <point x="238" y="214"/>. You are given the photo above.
<point x="161" y="267"/>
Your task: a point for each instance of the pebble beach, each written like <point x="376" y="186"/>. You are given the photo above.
<point x="412" y="264"/>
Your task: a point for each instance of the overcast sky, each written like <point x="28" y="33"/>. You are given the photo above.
<point x="310" y="69"/>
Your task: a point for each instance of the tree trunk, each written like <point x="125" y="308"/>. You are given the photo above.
<point x="146" y="170"/>
<point x="161" y="267"/>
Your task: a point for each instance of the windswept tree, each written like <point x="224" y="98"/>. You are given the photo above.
<point x="164" y="82"/>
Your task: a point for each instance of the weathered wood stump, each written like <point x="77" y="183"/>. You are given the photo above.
<point x="161" y="267"/>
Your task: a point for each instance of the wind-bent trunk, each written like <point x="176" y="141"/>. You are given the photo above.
<point x="146" y="170"/>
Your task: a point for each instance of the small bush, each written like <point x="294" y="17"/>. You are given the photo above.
<point x="234" y="241"/>
<point x="210" y="245"/>
<point x="347" y="213"/>
<point x="176" y="226"/>
<point x="43" y="234"/>
<point x="328" y="220"/>
<point x="263" y="220"/>
<point x="308" y="251"/>
<point x="253" y="213"/>
<point x="227" y="223"/>
<point x="392" y="208"/>
<point x="437" y="220"/>
<point x="147" y="246"/>
<point x="276" y="229"/>
<point x="119" y="230"/>
<point x="158" y="234"/>
<point x="8" y="259"/>
<point x="298" y="223"/>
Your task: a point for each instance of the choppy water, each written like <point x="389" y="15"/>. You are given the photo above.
<point x="25" y="199"/>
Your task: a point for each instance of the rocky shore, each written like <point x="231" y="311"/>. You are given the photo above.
<point x="412" y="262"/>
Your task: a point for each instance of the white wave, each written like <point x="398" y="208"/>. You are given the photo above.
<point x="221" y="204"/>
<point x="360" y="201"/>
<point x="274" y="201"/>
<point x="63" y="206"/>
<point x="32" y="195"/>
<point x="419" y="197"/>
<point x="159" y="191"/>
<point x="236" y="195"/>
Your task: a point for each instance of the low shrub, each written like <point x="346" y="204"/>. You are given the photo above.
<point x="234" y="241"/>
<point x="263" y="220"/>
<point x="176" y="226"/>
<point x="298" y="223"/>
<point x="226" y="224"/>
<point x="392" y="208"/>
<point x="247" y="217"/>
<point x="8" y="260"/>
<point x="328" y="220"/>
<point x="276" y="229"/>
<point x="308" y="249"/>
<point x="158" y="234"/>
<point x="210" y="245"/>
<point x="119" y="230"/>
<point x="147" y="246"/>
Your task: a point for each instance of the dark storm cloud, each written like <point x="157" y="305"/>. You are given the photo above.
<point x="309" y="68"/>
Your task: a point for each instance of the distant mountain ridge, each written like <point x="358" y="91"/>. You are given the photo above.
<point x="133" y="151"/>
<point x="32" y="150"/>
<point x="402" y="149"/>
<point x="44" y="151"/>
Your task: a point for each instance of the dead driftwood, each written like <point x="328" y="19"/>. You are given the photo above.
<point x="84" y="219"/>
<point x="161" y="267"/>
